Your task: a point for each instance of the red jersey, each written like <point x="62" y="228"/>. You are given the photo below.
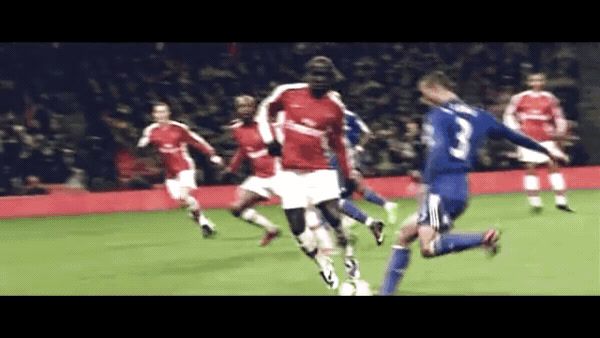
<point x="171" y="140"/>
<point x="310" y="127"/>
<point x="251" y="146"/>
<point x="537" y="114"/>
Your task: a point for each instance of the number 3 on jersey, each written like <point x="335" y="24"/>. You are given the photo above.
<point x="463" y="136"/>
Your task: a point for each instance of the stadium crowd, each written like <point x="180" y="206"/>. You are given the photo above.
<point x="72" y="113"/>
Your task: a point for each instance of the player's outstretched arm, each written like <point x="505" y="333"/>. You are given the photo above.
<point x="501" y="131"/>
<point x="200" y="143"/>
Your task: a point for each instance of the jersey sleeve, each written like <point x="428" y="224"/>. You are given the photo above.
<point x="145" y="139"/>
<point x="267" y="110"/>
<point x="336" y="140"/>
<point x="558" y="117"/>
<point x="362" y="125"/>
<point x="197" y="141"/>
<point x="498" y="130"/>
<point x="510" y="113"/>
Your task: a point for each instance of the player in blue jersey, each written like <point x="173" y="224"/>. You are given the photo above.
<point x="453" y="132"/>
<point x="357" y="133"/>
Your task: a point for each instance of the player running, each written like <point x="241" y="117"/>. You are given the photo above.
<point x="261" y="185"/>
<point x="537" y="114"/>
<point x="357" y="135"/>
<point x="453" y="132"/>
<point x="171" y="138"/>
<point x="313" y="123"/>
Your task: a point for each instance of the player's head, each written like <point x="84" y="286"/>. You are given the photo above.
<point x="161" y="112"/>
<point x="536" y="81"/>
<point x="245" y="107"/>
<point x="321" y="74"/>
<point x="436" y="88"/>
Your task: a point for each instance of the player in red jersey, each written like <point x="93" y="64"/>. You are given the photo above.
<point x="260" y="186"/>
<point x="171" y="138"/>
<point x="537" y="114"/>
<point x="313" y="124"/>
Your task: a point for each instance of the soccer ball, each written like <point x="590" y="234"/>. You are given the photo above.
<point x="355" y="288"/>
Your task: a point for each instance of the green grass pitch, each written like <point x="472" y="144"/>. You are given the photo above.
<point x="163" y="253"/>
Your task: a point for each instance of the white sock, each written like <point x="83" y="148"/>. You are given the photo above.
<point x="389" y="205"/>
<point x="193" y="205"/>
<point x="323" y="261"/>
<point x="531" y="183"/>
<point x="349" y="251"/>
<point x="206" y="221"/>
<point x="560" y="199"/>
<point x="307" y="240"/>
<point x="535" y="201"/>
<point x="557" y="181"/>
<point x="324" y="241"/>
<point x="253" y="216"/>
<point x="369" y="221"/>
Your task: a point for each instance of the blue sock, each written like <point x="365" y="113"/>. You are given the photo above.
<point x="353" y="211"/>
<point x="448" y="242"/>
<point x="395" y="271"/>
<point x="373" y="197"/>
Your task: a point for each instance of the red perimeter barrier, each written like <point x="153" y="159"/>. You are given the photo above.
<point x="62" y="201"/>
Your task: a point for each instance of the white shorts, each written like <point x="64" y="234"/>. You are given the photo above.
<point x="532" y="156"/>
<point x="184" y="179"/>
<point x="299" y="189"/>
<point x="263" y="186"/>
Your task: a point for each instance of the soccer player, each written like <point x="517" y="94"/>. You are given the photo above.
<point x="453" y="133"/>
<point x="261" y="185"/>
<point x="357" y="135"/>
<point x="171" y="138"/>
<point x="312" y="123"/>
<point x="537" y="114"/>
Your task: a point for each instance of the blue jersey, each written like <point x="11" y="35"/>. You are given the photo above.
<point x="453" y="133"/>
<point x="354" y="128"/>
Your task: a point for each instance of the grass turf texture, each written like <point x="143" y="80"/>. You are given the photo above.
<point x="163" y="253"/>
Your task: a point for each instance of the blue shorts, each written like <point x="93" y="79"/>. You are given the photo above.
<point x="446" y="200"/>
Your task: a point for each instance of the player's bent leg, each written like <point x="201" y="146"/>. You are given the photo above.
<point x="317" y="226"/>
<point x="434" y="244"/>
<point x="370" y="195"/>
<point x="376" y="226"/>
<point x="331" y="212"/>
<point x="531" y="184"/>
<point x="242" y="208"/>
<point x="206" y="225"/>
<point x="308" y="244"/>
<point x="399" y="259"/>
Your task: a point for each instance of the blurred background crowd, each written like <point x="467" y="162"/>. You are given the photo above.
<point x="72" y="113"/>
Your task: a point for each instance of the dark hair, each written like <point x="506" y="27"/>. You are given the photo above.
<point x="439" y="78"/>
<point x="337" y="76"/>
